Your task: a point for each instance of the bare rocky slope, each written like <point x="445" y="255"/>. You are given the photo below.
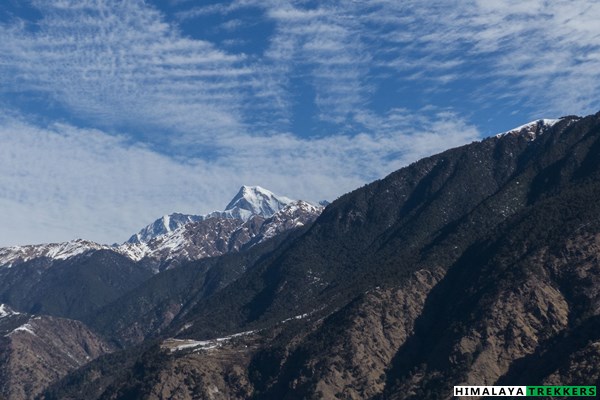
<point x="38" y="350"/>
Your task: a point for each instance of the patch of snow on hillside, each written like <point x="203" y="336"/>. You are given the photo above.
<point x="530" y="127"/>
<point x="133" y="251"/>
<point x="23" y="328"/>
<point x="301" y="316"/>
<point x="197" y="345"/>
<point x="6" y="311"/>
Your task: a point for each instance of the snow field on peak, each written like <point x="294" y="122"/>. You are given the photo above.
<point x="248" y="202"/>
<point x="177" y="240"/>
<point x="172" y="236"/>
<point x="545" y="122"/>
<point x="258" y="200"/>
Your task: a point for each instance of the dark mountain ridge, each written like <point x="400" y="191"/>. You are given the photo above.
<point x="479" y="265"/>
<point x="71" y="288"/>
<point x="150" y="308"/>
<point x="423" y="216"/>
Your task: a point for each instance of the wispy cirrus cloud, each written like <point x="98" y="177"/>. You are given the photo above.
<point x="322" y="45"/>
<point x="120" y="64"/>
<point x="124" y="115"/>
<point x="533" y="51"/>
<point x="520" y="52"/>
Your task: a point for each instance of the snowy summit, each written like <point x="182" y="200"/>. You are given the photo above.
<point x="249" y="201"/>
<point x="531" y="130"/>
<point x="258" y="201"/>
<point x="255" y="214"/>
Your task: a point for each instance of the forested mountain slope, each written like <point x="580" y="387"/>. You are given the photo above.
<point x="478" y="266"/>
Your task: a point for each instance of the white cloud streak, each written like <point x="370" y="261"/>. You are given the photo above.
<point x="120" y="66"/>
<point x="533" y="52"/>
<point x="536" y="51"/>
<point x="60" y="182"/>
<point x="121" y="63"/>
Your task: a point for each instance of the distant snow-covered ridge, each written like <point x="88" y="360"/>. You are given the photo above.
<point x="10" y="256"/>
<point x="6" y="311"/>
<point x="218" y="234"/>
<point x="249" y="201"/>
<point x="254" y="215"/>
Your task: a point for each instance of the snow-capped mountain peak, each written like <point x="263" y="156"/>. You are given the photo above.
<point x="258" y="201"/>
<point x="249" y="201"/>
<point x="252" y="216"/>
<point x="218" y="233"/>
<point x="531" y="130"/>
<point x="162" y="226"/>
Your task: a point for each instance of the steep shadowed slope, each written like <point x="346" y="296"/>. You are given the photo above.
<point x="479" y="265"/>
<point x="423" y="216"/>
<point x="149" y="309"/>
<point x="70" y="288"/>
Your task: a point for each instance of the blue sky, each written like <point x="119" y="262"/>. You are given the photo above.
<point x="113" y="113"/>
